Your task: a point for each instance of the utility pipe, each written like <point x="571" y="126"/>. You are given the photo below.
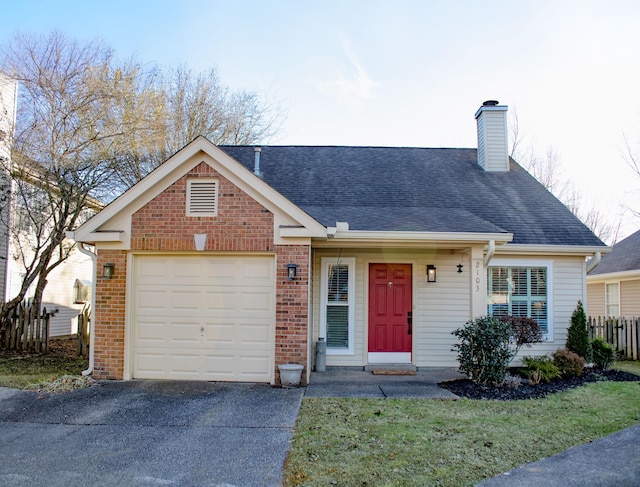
<point x="94" y="259"/>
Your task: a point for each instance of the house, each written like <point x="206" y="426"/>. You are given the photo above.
<point x="613" y="287"/>
<point x="60" y="292"/>
<point x="227" y="261"/>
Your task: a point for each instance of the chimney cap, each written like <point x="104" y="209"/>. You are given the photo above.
<point x="490" y="103"/>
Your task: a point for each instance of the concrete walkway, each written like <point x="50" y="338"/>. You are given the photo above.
<point x="612" y="461"/>
<point x="361" y="384"/>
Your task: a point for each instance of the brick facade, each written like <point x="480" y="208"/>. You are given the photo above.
<point x="242" y="225"/>
<point x="109" y="316"/>
<point x="292" y="307"/>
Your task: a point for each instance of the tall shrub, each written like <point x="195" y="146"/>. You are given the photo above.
<point x="578" y="335"/>
<point x="484" y="350"/>
<point x="488" y="344"/>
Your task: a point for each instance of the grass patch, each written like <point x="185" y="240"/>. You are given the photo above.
<point x="405" y="442"/>
<point x="628" y="366"/>
<point x="27" y="371"/>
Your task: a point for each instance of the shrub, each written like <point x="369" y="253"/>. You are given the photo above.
<point x="524" y="331"/>
<point x="578" y="335"/>
<point x="540" y="369"/>
<point x="569" y="363"/>
<point x="484" y="350"/>
<point x="603" y="353"/>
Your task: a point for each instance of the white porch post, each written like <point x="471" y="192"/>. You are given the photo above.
<point x="478" y="283"/>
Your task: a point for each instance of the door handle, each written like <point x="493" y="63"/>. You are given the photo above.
<point x="409" y="323"/>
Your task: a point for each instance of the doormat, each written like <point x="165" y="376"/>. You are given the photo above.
<point x="393" y="372"/>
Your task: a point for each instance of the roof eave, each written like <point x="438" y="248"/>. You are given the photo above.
<point x="360" y="237"/>
<point x="540" y="249"/>
<point x="614" y="276"/>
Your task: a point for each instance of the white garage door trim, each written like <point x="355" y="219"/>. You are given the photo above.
<point x="202" y="317"/>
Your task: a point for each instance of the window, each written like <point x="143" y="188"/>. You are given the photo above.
<point x="520" y="290"/>
<point x="202" y="197"/>
<point x="612" y="299"/>
<point x="337" y="313"/>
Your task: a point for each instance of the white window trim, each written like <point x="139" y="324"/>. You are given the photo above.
<point x="606" y="299"/>
<point x="350" y="262"/>
<point x="201" y="213"/>
<point x="500" y="262"/>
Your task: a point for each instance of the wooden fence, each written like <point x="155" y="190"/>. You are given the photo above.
<point x="84" y="321"/>
<point x="622" y="333"/>
<point x="28" y="331"/>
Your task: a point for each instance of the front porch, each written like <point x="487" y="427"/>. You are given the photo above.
<point x="359" y="383"/>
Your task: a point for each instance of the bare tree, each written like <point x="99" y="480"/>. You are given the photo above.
<point x="547" y="169"/>
<point x="89" y="127"/>
<point x="193" y="104"/>
<point x="631" y="156"/>
<point x="68" y="132"/>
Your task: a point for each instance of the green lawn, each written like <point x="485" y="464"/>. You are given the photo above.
<point x="26" y="371"/>
<point x="628" y="366"/>
<point x="377" y="442"/>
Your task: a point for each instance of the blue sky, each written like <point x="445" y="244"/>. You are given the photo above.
<point x="400" y="72"/>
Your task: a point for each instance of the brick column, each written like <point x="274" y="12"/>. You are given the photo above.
<point x="292" y="307"/>
<point x="109" y="316"/>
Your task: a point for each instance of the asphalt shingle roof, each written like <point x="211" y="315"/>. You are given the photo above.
<point x="415" y="189"/>
<point x="624" y="256"/>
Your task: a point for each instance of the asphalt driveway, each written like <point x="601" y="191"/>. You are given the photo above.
<point x="148" y="433"/>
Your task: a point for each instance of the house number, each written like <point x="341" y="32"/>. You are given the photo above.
<point x="478" y="268"/>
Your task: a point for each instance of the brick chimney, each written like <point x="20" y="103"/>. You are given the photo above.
<point x="493" y="150"/>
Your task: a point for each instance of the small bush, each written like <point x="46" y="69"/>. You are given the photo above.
<point x="540" y="369"/>
<point x="484" y="350"/>
<point x="524" y="331"/>
<point x="603" y="353"/>
<point x="569" y="363"/>
<point x="578" y="335"/>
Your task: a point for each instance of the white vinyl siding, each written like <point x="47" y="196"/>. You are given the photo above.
<point x="612" y="297"/>
<point x="337" y="314"/>
<point x="595" y="299"/>
<point x="202" y="197"/>
<point x="630" y="298"/>
<point x="441" y="307"/>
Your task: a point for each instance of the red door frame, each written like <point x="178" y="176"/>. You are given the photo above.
<point x="390" y="308"/>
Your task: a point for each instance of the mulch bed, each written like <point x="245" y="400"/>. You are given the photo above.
<point x="509" y="392"/>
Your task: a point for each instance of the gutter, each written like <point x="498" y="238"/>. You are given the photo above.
<point x="94" y="259"/>
<point x="594" y="261"/>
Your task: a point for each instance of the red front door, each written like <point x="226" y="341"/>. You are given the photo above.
<point x="390" y="320"/>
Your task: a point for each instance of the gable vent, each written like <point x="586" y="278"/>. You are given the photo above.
<point x="202" y="197"/>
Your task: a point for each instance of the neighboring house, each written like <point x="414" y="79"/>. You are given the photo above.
<point x="59" y="293"/>
<point x="8" y="103"/>
<point x="613" y="287"/>
<point x="227" y="261"/>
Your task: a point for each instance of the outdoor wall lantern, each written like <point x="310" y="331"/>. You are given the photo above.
<point x="108" y="270"/>
<point x="292" y="270"/>
<point x="431" y="273"/>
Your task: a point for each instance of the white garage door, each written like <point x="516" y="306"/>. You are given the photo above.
<point x="204" y="318"/>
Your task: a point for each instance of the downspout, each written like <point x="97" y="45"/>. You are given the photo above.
<point x="490" y="251"/>
<point x="94" y="259"/>
<point x="593" y="262"/>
